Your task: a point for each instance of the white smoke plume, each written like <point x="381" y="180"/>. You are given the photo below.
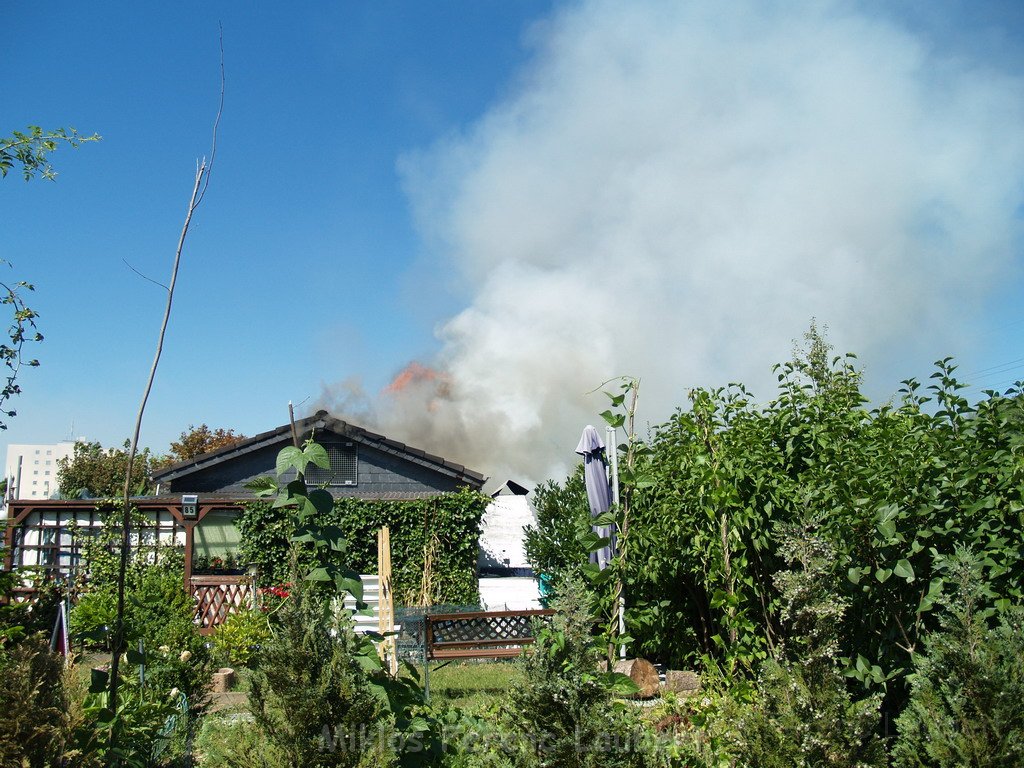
<point x="673" y="190"/>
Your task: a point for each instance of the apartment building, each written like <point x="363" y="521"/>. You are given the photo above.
<point x="31" y="470"/>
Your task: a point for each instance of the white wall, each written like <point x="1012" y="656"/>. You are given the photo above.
<point x="513" y="593"/>
<point x="501" y="533"/>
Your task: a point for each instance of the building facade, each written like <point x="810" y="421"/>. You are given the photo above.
<point x="31" y="469"/>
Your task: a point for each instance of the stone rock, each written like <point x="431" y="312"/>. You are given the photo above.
<point x="223" y="680"/>
<point x="642" y="673"/>
<point x="682" y="681"/>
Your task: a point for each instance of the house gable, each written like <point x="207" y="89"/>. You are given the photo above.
<point x="384" y="467"/>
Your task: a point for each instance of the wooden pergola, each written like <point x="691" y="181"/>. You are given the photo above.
<point x="46" y="534"/>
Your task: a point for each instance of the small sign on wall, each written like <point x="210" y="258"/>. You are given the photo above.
<point x="190" y="506"/>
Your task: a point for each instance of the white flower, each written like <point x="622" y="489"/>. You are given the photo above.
<point x="173" y="693"/>
<point x="185" y="656"/>
<point x="164" y="649"/>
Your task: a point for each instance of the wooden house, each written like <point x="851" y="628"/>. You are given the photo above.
<point x="197" y="502"/>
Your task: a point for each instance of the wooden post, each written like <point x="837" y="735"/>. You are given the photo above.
<point x="189" y="537"/>
<point x="385" y="600"/>
<point x="9" y="544"/>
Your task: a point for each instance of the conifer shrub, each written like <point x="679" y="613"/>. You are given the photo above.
<point x="309" y="697"/>
<point x="34" y="704"/>
<point x="967" y="688"/>
<point x="565" y="713"/>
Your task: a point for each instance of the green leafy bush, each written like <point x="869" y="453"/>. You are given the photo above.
<point x="967" y="690"/>
<point x="158" y="613"/>
<point x="564" y="714"/>
<point x="443" y="530"/>
<point x="896" y="490"/>
<point x="19" y="619"/>
<point x="552" y="547"/>
<point x="127" y="737"/>
<point x="241" y="637"/>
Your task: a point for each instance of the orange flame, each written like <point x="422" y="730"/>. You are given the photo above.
<point x="413" y="373"/>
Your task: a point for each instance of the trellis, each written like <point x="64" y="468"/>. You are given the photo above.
<point x="48" y="542"/>
<point x="217" y="597"/>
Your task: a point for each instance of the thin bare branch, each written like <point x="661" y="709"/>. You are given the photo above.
<point x="216" y="122"/>
<point x="144" y="277"/>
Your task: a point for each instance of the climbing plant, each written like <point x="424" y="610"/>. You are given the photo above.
<point x="443" y="529"/>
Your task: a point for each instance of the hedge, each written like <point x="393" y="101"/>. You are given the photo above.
<point x="444" y="530"/>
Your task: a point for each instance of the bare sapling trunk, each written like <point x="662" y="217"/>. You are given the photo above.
<point x="616" y="622"/>
<point x="199" y="186"/>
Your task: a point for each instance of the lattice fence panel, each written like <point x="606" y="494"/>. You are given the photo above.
<point x="215" y="602"/>
<point x="482" y="628"/>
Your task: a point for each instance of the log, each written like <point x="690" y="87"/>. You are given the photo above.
<point x="223" y="680"/>
<point x="641" y="672"/>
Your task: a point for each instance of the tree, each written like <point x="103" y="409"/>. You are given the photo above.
<point x="562" y="512"/>
<point x="199" y="187"/>
<point x="30" y="151"/>
<point x="99" y="473"/>
<point x="195" y="441"/>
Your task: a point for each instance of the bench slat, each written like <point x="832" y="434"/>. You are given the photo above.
<point x="479" y="653"/>
<point x="476" y="643"/>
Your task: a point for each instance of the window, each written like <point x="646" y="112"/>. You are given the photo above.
<point x="344" y="466"/>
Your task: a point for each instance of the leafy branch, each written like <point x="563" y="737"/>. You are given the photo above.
<point x="30" y="150"/>
<point x="21" y="330"/>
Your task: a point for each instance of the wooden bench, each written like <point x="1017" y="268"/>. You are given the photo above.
<point x="449" y="637"/>
<point x="479" y="634"/>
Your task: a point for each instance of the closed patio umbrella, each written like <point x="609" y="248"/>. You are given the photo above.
<point x="599" y="490"/>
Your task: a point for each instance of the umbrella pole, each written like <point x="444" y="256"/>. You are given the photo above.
<point x="613" y="467"/>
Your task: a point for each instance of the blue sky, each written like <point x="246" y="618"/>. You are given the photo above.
<point x="298" y="267"/>
<point x="375" y="201"/>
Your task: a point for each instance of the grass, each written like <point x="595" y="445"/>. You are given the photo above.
<point x="473" y="686"/>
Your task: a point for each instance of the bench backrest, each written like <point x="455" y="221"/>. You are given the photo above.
<point x="480" y="634"/>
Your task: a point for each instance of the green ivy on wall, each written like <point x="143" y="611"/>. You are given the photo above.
<point x="442" y="532"/>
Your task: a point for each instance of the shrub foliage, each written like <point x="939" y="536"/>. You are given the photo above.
<point x="894" y="491"/>
<point x="442" y="531"/>
<point x="967" y="688"/>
